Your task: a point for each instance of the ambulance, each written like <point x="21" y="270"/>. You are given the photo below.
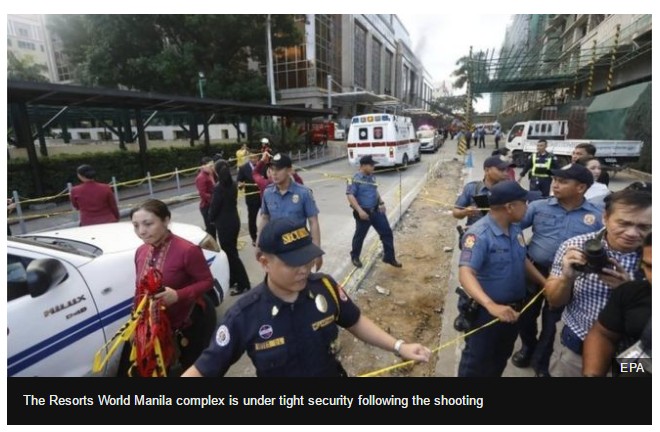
<point x="389" y="139"/>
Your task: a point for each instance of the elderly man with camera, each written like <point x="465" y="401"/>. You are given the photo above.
<point x="553" y="220"/>
<point x="588" y="267"/>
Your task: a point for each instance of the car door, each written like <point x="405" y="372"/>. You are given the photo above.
<point x="56" y="333"/>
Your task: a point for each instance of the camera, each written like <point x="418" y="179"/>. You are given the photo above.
<point x="596" y="256"/>
<point x="467" y="311"/>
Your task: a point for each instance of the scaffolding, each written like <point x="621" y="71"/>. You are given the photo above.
<point x="549" y="65"/>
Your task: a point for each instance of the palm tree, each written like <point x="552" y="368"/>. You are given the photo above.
<point x="476" y="66"/>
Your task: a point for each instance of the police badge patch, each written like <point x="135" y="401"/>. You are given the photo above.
<point x="589" y="219"/>
<point x="469" y="241"/>
<point x="222" y="336"/>
<point x="295" y="198"/>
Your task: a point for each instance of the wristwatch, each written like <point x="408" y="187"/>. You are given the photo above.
<point x="397" y="346"/>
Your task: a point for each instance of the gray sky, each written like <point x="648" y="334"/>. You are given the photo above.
<point x="440" y="40"/>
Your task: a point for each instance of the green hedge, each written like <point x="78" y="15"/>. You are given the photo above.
<point x="57" y="171"/>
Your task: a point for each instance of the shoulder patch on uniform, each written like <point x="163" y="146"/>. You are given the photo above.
<point x="222" y="337"/>
<point x="469" y="241"/>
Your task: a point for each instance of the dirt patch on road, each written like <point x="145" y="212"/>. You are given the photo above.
<point x="408" y="302"/>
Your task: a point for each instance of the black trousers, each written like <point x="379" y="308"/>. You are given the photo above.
<point x="208" y="224"/>
<point x="253" y="207"/>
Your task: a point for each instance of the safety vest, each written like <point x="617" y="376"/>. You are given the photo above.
<point x="543" y="169"/>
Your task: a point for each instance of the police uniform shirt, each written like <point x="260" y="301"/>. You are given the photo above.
<point x="363" y="187"/>
<point x="282" y="339"/>
<point x="465" y="199"/>
<point x="498" y="259"/>
<point x="297" y="203"/>
<point x="552" y="224"/>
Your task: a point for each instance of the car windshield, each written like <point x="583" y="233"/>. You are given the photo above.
<point x="67" y="245"/>
<point x="425" y="134"/>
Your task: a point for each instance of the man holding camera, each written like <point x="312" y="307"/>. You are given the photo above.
<point x="553" y="220"/>
<point x="588" y="267"/>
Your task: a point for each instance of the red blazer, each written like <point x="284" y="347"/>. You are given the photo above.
<point x="96" y="203"/>
<point x="205" y="183"/>
<point x="184" y="270"/>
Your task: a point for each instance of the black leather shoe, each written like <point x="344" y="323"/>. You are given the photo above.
<point x="540" y="373"/>
<point x="394" y="263"/>
<point x="522" y="358"/>
<point x="356" y="262"/>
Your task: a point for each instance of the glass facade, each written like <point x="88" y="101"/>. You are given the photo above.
<point x="360" y="56"/>
<point x="290" y="63"/>
<point x="328" y="49"/>
<point x="387" y="79"/>
<point x="376" y="48"/>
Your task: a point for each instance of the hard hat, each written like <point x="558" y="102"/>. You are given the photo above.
<point x="264" y="140"/>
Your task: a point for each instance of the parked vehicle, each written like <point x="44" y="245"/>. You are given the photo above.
<point x="523" y="137"/>
<point x="388" y="138"/>
<point x="429" y="139"/>
<point x="70" y="290"/>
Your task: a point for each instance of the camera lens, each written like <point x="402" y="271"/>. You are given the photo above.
<point x="596" y="255"/>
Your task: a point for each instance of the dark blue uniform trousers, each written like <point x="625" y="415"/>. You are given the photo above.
<point x="541" y="184"/>
<point x="380" y="223"/>
<point x="542" y="348"/>
<point x="487" y="351"/>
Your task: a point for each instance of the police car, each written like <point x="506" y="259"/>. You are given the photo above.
<point x="70" y="290"/>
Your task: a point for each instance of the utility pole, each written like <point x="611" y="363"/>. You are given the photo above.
<point x="329" y="95"/>
<point x="271" y="77"/>
<point x="201" y="82"/>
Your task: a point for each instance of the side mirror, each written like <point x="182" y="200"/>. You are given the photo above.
<point x="43" y="274"/>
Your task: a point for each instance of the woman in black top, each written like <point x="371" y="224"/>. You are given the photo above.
<point x="223" y="211"/>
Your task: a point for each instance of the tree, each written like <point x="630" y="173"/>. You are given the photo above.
<point x="25" y="68"/>
<point x="165" y="53"/>
<point x="476" y="67"/>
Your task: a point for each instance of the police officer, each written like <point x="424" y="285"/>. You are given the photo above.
<point x="495" y="171"/>
<point x="539" y="166"/>
<point x="289" y="323"/>
<point x="369" y="210"/>
<point x="553" y="220"/>
<point x="285" y="198"/>
<point x="492" y="269"/>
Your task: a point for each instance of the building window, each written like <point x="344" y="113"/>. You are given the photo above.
<point x="27" y="45"/>
<point x="376" y="48"/>
<point x="328" y="49"/>
<point x="360" y="56"/>
<point x="389" y="57"/>
<point x="290" y="63"/>
<point x="23" y="32"/>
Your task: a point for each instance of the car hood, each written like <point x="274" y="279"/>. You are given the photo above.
<point x="119" y="236"/>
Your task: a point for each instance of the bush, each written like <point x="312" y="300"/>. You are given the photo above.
<point x="57" y="171"/>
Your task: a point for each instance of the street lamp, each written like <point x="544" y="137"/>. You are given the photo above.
<point x="201" y="82"/>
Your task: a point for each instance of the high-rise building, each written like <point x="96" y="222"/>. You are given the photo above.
<point x="29" y="39"/>
<point x="369" y="61"/>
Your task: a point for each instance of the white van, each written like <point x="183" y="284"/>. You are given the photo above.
<point x="388" y="138"/>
